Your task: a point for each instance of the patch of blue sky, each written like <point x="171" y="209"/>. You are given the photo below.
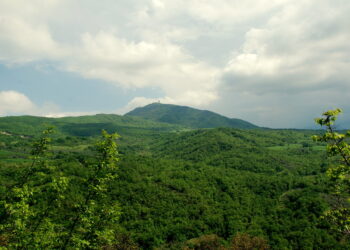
<point x="43" y="83"/>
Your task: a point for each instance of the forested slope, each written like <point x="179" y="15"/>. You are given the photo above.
<point x="176" y="184"/>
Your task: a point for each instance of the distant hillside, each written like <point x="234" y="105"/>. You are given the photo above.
<point x="82" y="125"/>
<point x="187" y="116"/>
<point x="248" y="150"/>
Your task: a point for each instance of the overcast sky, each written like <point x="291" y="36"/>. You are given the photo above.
<point x="276" y="63"/>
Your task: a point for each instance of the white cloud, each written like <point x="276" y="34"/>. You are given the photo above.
<point x="215" y="12"/>
<point x="15" y="103"/>
<point x="24" y="36"/>
<point x="16" y="47"/>
<point x="145" y="64"/>
<point x="231" y="12"/>
<point x="12" y="102"/>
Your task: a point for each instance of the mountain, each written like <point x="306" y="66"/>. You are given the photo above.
<point x="186" y="116"/>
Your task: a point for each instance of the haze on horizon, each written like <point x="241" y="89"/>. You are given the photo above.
<point x="275" y="63"/>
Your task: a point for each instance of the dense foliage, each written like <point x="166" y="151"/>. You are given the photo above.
<point x="177" y="188"/>
<point x="338" y="147"/>
<point x="41" y="208"/>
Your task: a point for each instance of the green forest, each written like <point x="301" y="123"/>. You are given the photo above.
<point x="127" y="182"/>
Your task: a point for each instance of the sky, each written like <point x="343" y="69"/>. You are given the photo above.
<point x="275" y="63"/>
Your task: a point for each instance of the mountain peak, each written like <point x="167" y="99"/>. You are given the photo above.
<point x="187" y="116"/>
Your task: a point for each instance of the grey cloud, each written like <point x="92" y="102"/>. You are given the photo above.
<point x="282" y="110"/>
<point x="292" y="68"/>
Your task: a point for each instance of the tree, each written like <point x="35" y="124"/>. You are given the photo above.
<point x="30" y="201"/>
<point x="95" y="219"/>
<point x="339" y="174"/>
<point x="38" y="215"/>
